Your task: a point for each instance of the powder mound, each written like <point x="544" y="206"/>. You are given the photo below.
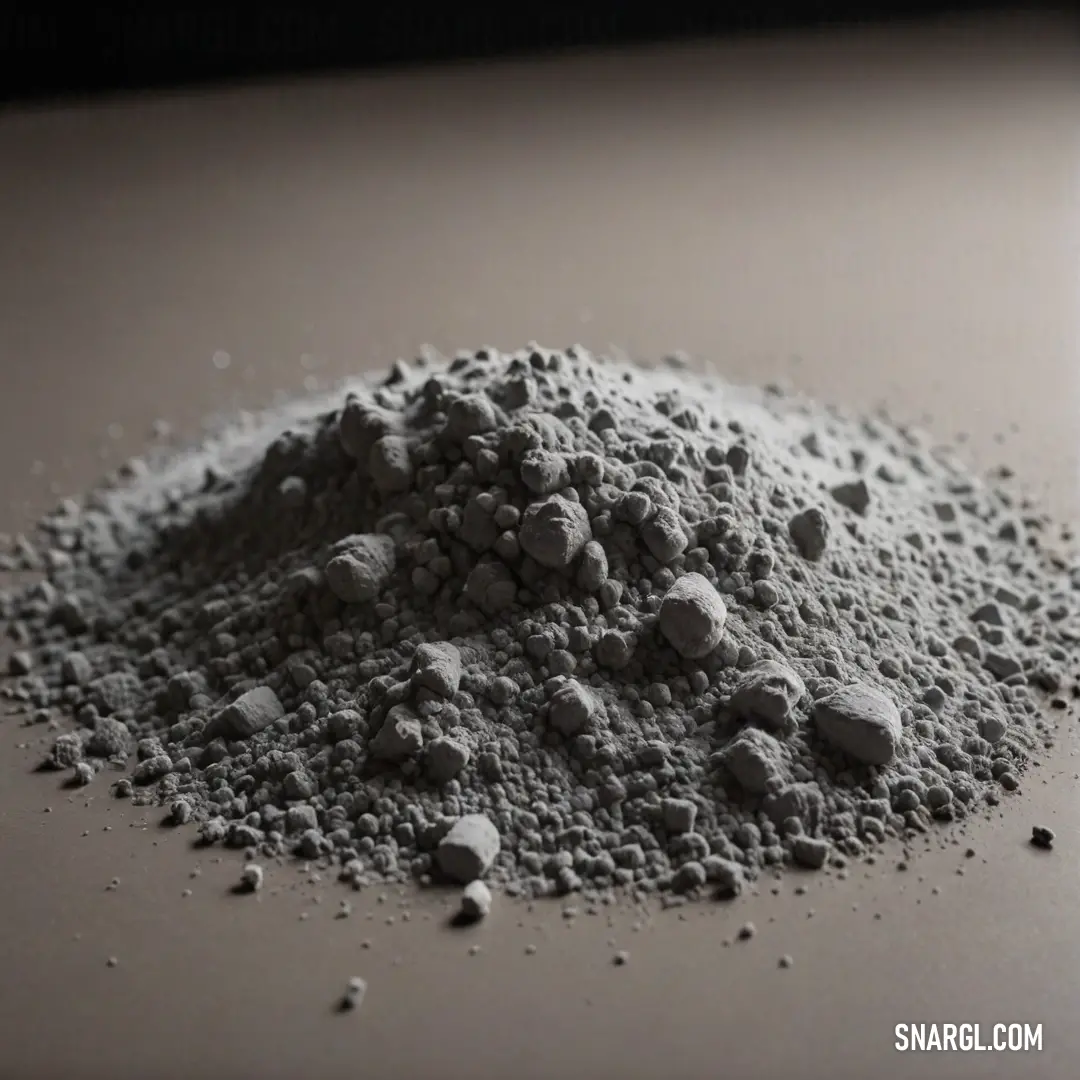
<point x="549" y="620"/>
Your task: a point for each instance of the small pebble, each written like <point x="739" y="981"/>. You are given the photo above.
<point x="476" y="900"/>
<point x="251" y="880"/>
<point x="1042" y="837"/>
<point x="354" y="994"/>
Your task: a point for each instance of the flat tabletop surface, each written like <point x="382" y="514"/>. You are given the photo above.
<point x="870" y="215"/>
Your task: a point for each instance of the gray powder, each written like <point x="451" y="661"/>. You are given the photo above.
<point x="551" y="621"/>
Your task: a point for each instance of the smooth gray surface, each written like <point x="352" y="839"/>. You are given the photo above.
<point x="869" y="215"/>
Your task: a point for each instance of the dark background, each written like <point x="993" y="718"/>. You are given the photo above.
<point x="50" y="49"/>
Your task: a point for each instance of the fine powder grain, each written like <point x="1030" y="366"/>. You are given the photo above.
<point x="550" y="620"/>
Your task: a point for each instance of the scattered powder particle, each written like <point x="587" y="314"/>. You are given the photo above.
<point x="354" y="995"/>
<point x="786" y="961"/>
<point x="1042" y="837"/>
<point x="548" y="620"/>
<point x="747" y="931"/>
<point x="621" y="958"/>
<point x="251" y="878"/>
<point x="476" y="900"/>
<point x="809" y="852"/>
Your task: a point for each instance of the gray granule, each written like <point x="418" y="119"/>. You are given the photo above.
<point x="554" y="530"/>
<point x="399" y="737"/>
<point x="549" y="621"/>
<point x="20" y="663"/>
<point x="437" y="668"/>
<point x="809" y="530"/>
<point x="855" y="495"/>
<point x="1042" y="837"/>
<point x="768" y="693"/>
<point x="355" y="992"/>
<point x="692" y="616"/>
<point x="360" y="567"/>
<point x="446" y="758"/>
<point x="251" y="880"/>
<point x="861" y="721"/>
<point x="679" y="815"/>
<point x="250" y="713"/>
<point x="571" y="707"/>
<point x="810" y="852"/>
<point x="476" y="900"/>
<point x="467" y="851"/>
<point x="755" y="760"/>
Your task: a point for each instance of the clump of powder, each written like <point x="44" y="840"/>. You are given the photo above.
<point x="548" y="620"/>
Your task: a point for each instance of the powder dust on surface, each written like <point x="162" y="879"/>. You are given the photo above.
<point x="550" y="621"/>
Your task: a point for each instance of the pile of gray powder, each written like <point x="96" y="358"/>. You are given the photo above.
<point x="548" y="619"/>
